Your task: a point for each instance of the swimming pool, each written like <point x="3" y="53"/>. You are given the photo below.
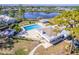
<point x="33" y="26"/>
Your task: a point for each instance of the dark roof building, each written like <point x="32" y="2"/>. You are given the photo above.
<point x="8" y="32"/>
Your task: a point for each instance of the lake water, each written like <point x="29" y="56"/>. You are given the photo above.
<point x="35" y="15"/>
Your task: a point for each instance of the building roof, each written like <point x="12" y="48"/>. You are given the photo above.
<point x="49" y="31"/>
<point x="44" y="20"/>
<point x="8" y="32"/>
<point x="7" y="19"/>
<point x="52" y="35"/>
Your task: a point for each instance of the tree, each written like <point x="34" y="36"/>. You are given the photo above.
<point x="70" y="19"/>
<point x="21" y="11"/>
<point x="9" y="43"/>
<point x="1" y="10"/>
<point x="17" y="27"/>
<point x="11" y="13"/>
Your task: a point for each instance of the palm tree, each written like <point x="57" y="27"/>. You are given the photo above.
<point x="9" y="43"/>
<point x="0" y="9"/>
<point x="16" y="27"/>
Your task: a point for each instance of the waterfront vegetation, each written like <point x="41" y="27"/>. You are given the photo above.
<point x="70" y="19"/>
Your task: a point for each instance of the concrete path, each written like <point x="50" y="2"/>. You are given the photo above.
<point x="32" y="52"/>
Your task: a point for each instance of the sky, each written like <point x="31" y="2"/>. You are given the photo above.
<point x="39" y="1"/>
<point x="40" y="4"/>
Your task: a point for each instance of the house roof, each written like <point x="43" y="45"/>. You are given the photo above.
<point x="49" y="31"/>
<point x="8" y="32"/>
<point x="44" y="20"/>
<point x="7" y="19"/>
<point x="53" y="35"/>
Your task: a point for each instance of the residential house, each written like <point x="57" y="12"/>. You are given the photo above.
<point x="50" y="35"/>
<point x="6" y="19"/>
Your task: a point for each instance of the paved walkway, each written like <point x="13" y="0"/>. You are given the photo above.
<point x="32" y="52"/>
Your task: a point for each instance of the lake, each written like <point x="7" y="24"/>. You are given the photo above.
<point x="35" y="15"/>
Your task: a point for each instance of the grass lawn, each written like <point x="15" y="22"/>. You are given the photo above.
<point x="23" y="23"/>
<point x="20" y="48"/>
<point x="58" y="49"/>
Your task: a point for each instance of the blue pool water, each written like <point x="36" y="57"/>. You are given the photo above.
<point x="30" y="27"/>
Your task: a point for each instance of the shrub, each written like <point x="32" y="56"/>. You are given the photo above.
<point x="21" y="52"/>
